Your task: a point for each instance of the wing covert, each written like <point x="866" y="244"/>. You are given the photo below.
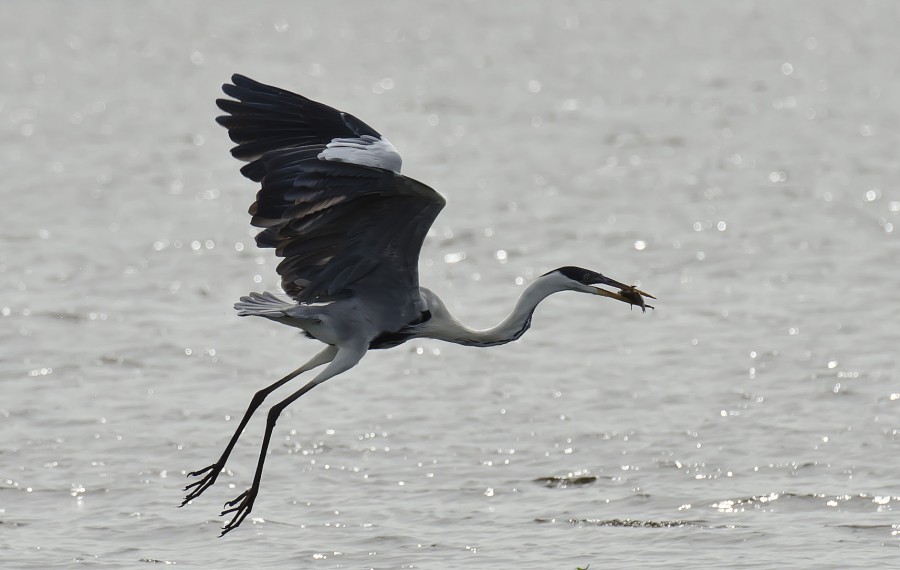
<point x="342" y="228"/>
<point x="263" y="118"/>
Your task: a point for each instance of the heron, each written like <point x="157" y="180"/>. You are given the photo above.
<point x="349" y="227"/>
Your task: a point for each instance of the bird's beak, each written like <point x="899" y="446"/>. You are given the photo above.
<point x="627" y="294"/>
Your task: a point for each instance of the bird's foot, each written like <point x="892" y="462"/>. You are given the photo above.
<point x="241" y="507"/>
<point x="197" y="487"/>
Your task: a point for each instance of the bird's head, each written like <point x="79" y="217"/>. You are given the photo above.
<point x="585" y="281"/>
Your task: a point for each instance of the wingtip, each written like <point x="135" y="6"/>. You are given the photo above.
<point x="239" y="78"/>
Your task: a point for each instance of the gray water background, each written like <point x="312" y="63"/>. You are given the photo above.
<point x="737" y="159"/>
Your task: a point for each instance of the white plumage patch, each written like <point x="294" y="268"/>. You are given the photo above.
<point x="365" y="150"/>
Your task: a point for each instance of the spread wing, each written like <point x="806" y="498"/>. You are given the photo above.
<point x="344" y="225"/>
<point x="265" y="118"/>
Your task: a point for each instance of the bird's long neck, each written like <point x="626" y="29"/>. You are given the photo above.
<point x="510" y="329"/>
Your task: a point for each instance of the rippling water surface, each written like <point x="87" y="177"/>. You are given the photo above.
<point x="737" y="159"/>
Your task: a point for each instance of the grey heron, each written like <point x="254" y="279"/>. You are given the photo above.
<point x="333" y="204"/>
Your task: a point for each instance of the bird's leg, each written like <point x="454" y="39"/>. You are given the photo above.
<point x="212" y="471"/>
<point x="346" y="358"/>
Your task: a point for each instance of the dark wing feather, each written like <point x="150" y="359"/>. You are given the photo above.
<point x="265" y="118"/>
<point x="343" y="229"/>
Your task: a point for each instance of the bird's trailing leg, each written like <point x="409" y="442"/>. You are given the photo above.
<point x="345" y="359"/>
<point x="211" y="472"/>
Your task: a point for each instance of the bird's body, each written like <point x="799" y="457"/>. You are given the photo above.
<point x="328" y="323"/>
<point x="350" y="227"/>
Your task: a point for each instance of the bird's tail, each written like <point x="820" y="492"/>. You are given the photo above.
<point x="262" y="305"/>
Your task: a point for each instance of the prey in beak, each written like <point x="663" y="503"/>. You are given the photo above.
<point x="586" y="281"/>
<point x="629" y="294"/>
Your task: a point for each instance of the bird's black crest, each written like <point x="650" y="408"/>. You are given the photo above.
<point x="579" y="274"/>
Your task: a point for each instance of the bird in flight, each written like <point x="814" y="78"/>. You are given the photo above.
<point x="333" y="204"/>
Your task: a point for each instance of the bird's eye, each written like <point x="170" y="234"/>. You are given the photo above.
<point x="586" y="278"/>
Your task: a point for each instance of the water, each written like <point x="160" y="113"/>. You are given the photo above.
<point x="738" y="159"/>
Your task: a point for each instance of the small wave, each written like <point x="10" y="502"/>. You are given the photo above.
<point x="554" y="482"/>
<point x="637" y="523"/>
<point x="879" y="527"/>
<point x="862" y="500"/>
<point x="632" y="523"/>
